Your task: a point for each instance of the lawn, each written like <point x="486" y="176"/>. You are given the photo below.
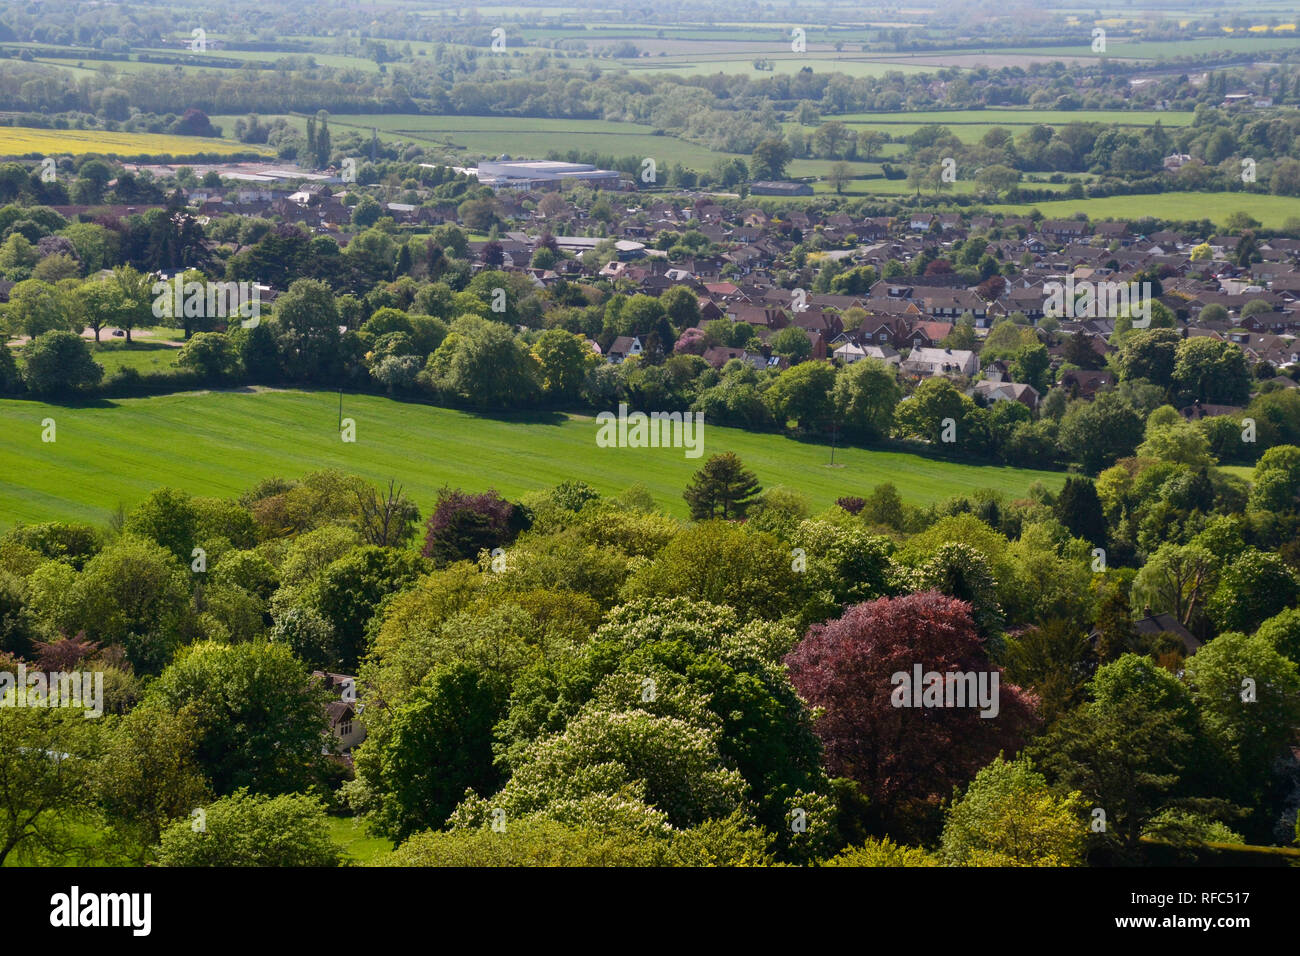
<point x="361" y="847"/>
<point x="221" y="443"/>
<point x="1272" y="211"/>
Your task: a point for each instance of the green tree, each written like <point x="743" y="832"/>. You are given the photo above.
<point x="802" y="393"/>
<point x="260" y="717"/>
<point x="1127" y="749"/>
<point x="248" y="829"/>
<point x="149" y="775"/>
<point x="1079" y="508"/>
<point x="865" y="395"/>
<point x="1253" y="588"/>
<point x="47" y="758"/>
<point x="1099" y="432"/>
<point x="1009" y="817"/>
<point x="723" y="488"/>
<point x="770" y="159"/>
<point x="307" y="323"/>
<point x="59" y="364"/>
<point x="1249" y="698"/>
<point x="1031" y="365"/>
<point x="1212" y="372"/>
<point x="437" y="745"/>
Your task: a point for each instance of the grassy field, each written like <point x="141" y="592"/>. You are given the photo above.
<point x="1026" y="117"/>
<point x="1272" y="211"/>
<point x="221" y="443"/>
<point x="359" y="846"/>
<point x="22" y="141"/>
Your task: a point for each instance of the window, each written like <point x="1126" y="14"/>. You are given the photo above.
<point x="345" y="728"/>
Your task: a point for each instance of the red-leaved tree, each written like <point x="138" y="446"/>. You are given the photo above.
<point x="902" y="756"/>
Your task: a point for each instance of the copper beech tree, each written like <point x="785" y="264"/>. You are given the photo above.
<point x="903" y="758"/>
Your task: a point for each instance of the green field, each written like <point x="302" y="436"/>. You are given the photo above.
<point x="1025" y="117"/>
<point x="1272" y="211"/>
<point x="221" y="443"/>
<point x="357" y="844"/>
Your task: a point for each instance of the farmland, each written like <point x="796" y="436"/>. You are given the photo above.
<point x="23" y="141"/>
<point x="1271" y="211"/>
<point x="220" y="443"/>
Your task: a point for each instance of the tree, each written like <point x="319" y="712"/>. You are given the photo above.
<point x="1249" y="699"/>
<point x="1212" y="372"/>
<point x="437" y="745"/>
<point x="802" y="393"/>
<point x="135" y="593"/>
<point x="1097" y="433"/>
<point x="839" y="175"/>
<point x="386" y="520"/>
<point x="1178" y="579"/>
<point x="720" y="563"/>
<point x="98" y="304"/>
<point x="1079" y="508"/>
<point x="168" y="518"/>
<point x="59" y="364"/>
<point x="137" y="298"/>
<point x="771" y="156"/>
<point x="307" y="321"/>
<point x="831" y="137"/>
<point x="564" y="360"/>
<point x="1031" y="366"/>
<point x="37" y="307"/>
<point x="348" y="592"/>
<point x="149" y="775"/>
<point x="462" y="525"/>
<point x="996" y="178"/>
<point x="723" y="488"/>
<point x="211" y="354"/>
<point x="46" y="783"/>
<point x="247" y="829"/>
<point x="1127" y="749"/>
<point x="902" y="757"/>
<point x="260" y="717"/>
<point x="482" y="362"/>
<point x="1009" y="817"/>
<point x="1254" y="587"/>
<point x="793" y="343"/>
<point x="865" y="396"/>
<point x="923" y="415"/>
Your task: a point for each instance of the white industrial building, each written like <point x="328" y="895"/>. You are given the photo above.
<point x="528" y="173"/>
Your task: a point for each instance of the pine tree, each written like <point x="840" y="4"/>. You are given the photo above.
<point x="723" y="488"/>
<point x="1079" y="509"/>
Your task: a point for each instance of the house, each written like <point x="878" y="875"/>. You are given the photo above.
<point x="1085" y="383"/>
<point x="624" y="347"/>
<point x="1064" y="229"/>
<point x="1151" y="625"/>
<point x="850" y="352"/>
<point x="1026" y="395"/>
<point x="929" y="362"/>
<point x="345" y="725"/>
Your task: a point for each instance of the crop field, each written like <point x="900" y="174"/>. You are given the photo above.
<point x="24" y="141"/>
<point x="1271" y="211"/>
<point x="1009" y="117"/>
<point x="221" y="443"/>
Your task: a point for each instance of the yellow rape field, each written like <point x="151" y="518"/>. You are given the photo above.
<point x="22" y="141"/>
